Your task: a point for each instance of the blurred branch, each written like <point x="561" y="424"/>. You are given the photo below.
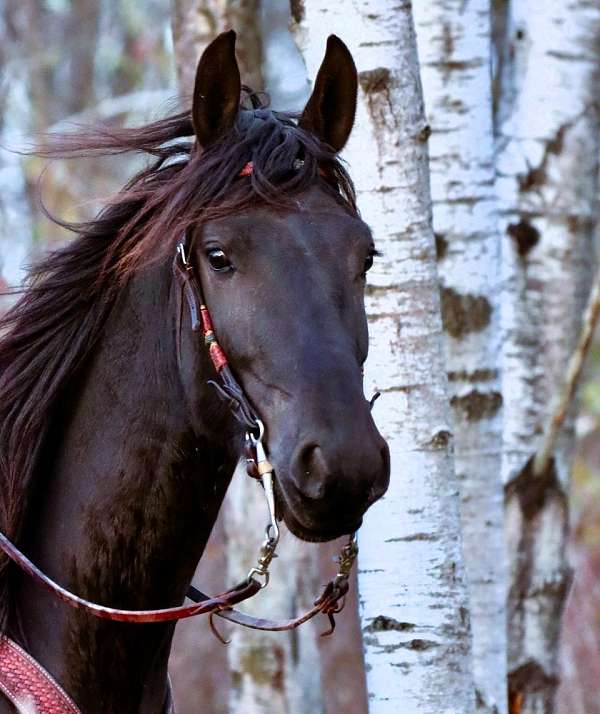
<point x="565" y="396"/>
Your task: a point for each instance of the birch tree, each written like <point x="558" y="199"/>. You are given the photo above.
<point x="415" y="618"/>
<point x="270" y="672"/>
<point x="454" y="48"/>
<point x="548" y="149"/>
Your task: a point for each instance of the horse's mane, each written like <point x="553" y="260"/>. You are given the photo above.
<point x="48" y="333"/>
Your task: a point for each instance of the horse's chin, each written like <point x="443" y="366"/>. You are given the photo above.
<point x="311" y="535"/>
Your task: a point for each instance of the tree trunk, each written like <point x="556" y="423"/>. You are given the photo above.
<point x="548" y="149"/>
<point x="196" y="22"/>
<point x="413" y="597"/>
<point x="270" y="672"/>
<point x="454" y="47"/>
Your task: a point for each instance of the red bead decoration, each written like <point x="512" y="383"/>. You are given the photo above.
<point x="217" y="355"/>
<point x="207" y="325"/>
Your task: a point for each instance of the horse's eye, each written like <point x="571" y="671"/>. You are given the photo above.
<point x="218" y="260"/>
<point x="368" y="263"/>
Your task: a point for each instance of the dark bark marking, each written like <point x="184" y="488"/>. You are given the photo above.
<point x="424" y="134"/>
<point x="297" y="10"/>
<point x="441" y="245"/>
<point x="440" y="439"/>
<point x="477" y="375"/>
<point x="530" y="678"/>
<point x="421" y="645"/>
<point x="447" y="66"/>
<point x="462" y="314"/>
<point x="430" y="537"/>
<point x="374" y="80"/>
<point x="447" y="40"/>
<point x="525" y="235"/>
<point x="381" y="623"/>
<point x="376" y="84"/>
<point x="578" y="224"/>
<point x="533" y="491"/>
<point x="477" y="405"/>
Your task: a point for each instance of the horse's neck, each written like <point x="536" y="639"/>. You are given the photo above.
<point x="123" y="512"/>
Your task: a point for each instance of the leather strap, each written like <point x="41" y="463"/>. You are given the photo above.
<point x="228" y="388"/>
<point x="241" y="592"/>
<point x="328" y="604"/>
<point x="221" y="605"/>
<point x="27" y="684"/>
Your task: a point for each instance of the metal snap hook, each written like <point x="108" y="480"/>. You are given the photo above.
<point x="261" y="432"/>
<point x="265" y="473"/>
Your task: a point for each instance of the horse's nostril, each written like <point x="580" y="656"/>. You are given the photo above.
<point x="312" y="470"/>
<point x="360" y="480"/>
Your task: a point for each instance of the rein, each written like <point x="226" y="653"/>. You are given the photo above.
<point x="331" y="600"/>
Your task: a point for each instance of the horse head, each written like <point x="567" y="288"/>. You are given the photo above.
<point x="285" y="286"/>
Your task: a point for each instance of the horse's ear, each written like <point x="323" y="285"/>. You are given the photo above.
<point x="216" y="90"/>
<point x="330" y="110"/>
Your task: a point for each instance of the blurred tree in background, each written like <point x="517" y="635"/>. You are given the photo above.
<point x="66" y="63"/>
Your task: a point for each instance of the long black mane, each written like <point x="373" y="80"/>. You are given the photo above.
<point x="49" y="332"/>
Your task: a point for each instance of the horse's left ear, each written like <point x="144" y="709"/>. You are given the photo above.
<point x="217" y="89"/>
<point x="330" y="110"/>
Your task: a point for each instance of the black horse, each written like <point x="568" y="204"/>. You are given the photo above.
<point x="115" y="453"/>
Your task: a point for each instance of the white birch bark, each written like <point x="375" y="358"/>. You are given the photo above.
<point x="548" y="148"/>
<point x="454" y="49"/>
<point x="414" y="609"/>
<point x="271" y="673"/>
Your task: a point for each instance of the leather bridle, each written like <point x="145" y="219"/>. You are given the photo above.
<point x="258" y="466"/>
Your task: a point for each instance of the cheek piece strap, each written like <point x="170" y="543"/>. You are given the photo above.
<point x="227" y="387"/>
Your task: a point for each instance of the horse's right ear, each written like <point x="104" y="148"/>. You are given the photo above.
<point x="216" y="90"/>
<point x="330" y="110"/>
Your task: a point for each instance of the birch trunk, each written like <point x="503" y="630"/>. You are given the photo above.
<point x="271" y="673"/>
<point x="415" y="616"/>
<point x="548" y="149"/>
<point x="454" y="47"/>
